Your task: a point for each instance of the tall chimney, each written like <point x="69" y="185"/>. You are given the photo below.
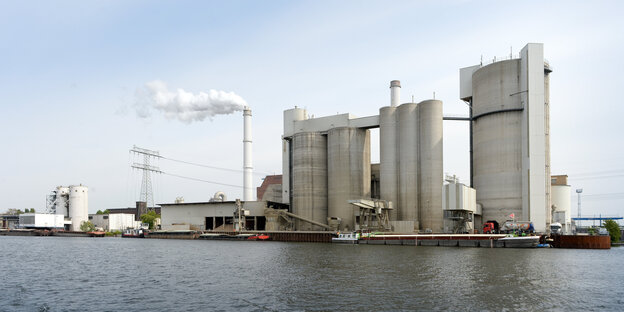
<point x="247" y="164"/>
<point x="395" y="93"/>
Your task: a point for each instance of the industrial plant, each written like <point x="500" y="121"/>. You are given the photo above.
<point x="328" y="184"/>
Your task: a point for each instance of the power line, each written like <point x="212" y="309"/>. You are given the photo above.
<point x="596" y="177"/>
<point x="259" y="173"/>
<point x="200" y="180"/>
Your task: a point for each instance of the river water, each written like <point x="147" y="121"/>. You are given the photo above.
<point x="123" y="274"/>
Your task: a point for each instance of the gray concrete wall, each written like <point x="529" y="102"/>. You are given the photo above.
<point x="348" y="172"/>
<point x="309" y="179"/>
<point x="430" y="173"/>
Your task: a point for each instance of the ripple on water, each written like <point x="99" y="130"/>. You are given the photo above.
<point x="114" y="274"/>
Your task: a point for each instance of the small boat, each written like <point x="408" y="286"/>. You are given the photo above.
<point x="96" y="233"/>
<point x="519" y="241"/>
<point x="346" y="238"/>
<point x="219" y="236"/>
<point x="134" y="233"/>
<point x="262" y="237"/>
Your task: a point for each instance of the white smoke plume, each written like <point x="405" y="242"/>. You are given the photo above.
<point x="185" y="106"/>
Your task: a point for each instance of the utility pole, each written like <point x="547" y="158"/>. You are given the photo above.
<point x="147" y="194"/>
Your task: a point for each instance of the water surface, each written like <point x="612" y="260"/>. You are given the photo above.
<point x="122" y="274"/>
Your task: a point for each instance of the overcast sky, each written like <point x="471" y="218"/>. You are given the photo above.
<point x="72" y="75"/>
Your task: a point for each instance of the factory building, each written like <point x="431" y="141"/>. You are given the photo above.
<point x="326" y="163"/>
<point x="114" y="221"/>
<point x="72" y="203"/>
<point x="510" y="155"/>
<point x="270" y="189"/>
<point x="211" y="216"/>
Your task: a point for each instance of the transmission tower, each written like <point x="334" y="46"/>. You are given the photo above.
<point x="147" y="195"/>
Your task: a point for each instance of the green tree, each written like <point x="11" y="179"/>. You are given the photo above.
<point x="99" y="212"/>
<point x="106" y="211"/>
<point x="150" y="218"/>
<point x="614" y="230"/>
<point x="87" y="226"/>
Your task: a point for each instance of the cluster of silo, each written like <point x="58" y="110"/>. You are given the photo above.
<point x="411" y="161"/>
<point x="328" y="170"/>
<point x="72" y="202"/>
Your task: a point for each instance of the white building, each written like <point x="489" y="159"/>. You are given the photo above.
<point x="41" y="221"/>
<point x="114" y="222"/>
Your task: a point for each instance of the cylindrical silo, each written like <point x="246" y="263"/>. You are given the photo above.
<point x="78" y="205"/>
<point x="430" y="171"/>
<point x="497" y="140"/>
<point x="348" y="164"/>
<point x="561" y="202"/>
<point x="309" y="185"/>
<point x="388" y="180"/>
<point x="61" y="200"/>
<point x="290" y="117"/>
<point x="407" y="139"/>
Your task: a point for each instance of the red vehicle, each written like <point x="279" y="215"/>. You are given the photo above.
<point x="490" y="227"/>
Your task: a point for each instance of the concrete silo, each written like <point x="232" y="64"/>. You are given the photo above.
<point x="349" y="175"/>
<point x="78" y="205"/>
<point x="497" y="140"/>
<point x="510" y="141"/>
<point x="407" y="140"/>
<point x="388" y="149"/>
<point x="430" y="173"/>
<point x="309" y="178"/>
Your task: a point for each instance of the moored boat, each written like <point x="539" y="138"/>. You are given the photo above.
<point x="96" y="233"/>
<point x="520" y="241"/>
<point x="133" y="233"/>
<point x="261" y="237"/>
<point x="346" y="238"/>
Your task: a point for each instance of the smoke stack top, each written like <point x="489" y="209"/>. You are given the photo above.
<point x="186" y="106"/>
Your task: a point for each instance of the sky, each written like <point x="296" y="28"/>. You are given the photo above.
<point x="72" y="75"/>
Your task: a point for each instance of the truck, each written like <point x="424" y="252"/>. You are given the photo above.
<point x="517" y="227"/>
<point x="555" y="228"/>
<point x="490" y="227"/>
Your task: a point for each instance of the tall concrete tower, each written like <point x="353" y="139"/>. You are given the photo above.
<point x="510" y="136"/>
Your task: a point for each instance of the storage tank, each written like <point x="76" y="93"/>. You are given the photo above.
<point x="290" y="117"/>
<point x="561" y="203"/>
<point x="348" y="164"/>
<point x="497" y="140"/>
<point x="61" y="200"/>
<point x="78" y="205"/>
<point x="407" y="140"/>
<point x="388" y="180"/>
<point x="431" y="170"/>
<point x="309" y="185"/>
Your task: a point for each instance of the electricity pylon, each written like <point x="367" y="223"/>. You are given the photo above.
<point x="147" y="194"/>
